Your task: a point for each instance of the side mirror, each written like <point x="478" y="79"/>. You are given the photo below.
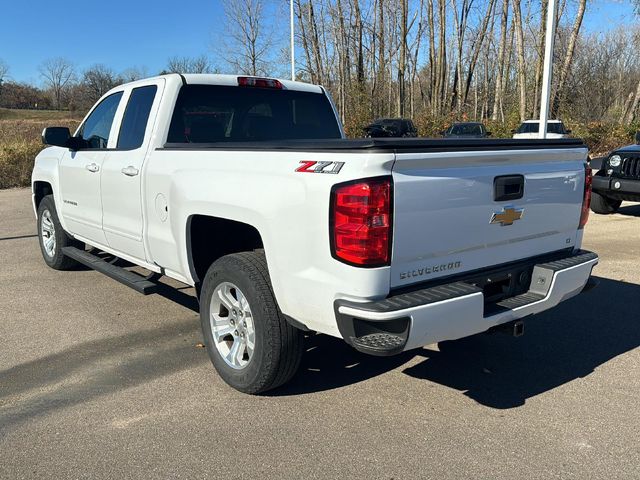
<point x="56" y="136"/>
<point x="567" y="131"/>
<point x="443" y="132"/>
<point x="77" y="143"/>
<point x="488" y="134"/>
<point x="637" y="137"/>
<point x="513" y="131"/>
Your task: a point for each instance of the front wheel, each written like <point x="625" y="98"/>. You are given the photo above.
<point x="604" y="205"/>
<point x="250" y="343"/>
<point x="52" y="237"/>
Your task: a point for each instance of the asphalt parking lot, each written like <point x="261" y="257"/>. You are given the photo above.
<point x="97" y="381"/>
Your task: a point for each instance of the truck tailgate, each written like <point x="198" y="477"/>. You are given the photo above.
<point x="449" y="219"/>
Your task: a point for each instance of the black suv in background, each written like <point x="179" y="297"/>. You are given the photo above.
<point x="618" y="179"/>
<point x="390" y="127"/>
<point x="466" y="130"/>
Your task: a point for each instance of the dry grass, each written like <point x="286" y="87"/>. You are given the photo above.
<point x="20" y="141"/>
<point x="14" y="114"/>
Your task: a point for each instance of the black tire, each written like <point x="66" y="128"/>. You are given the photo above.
<point x="278" y="345"/>
<point x="604" y="205"/>
<point x="55" y="259"/>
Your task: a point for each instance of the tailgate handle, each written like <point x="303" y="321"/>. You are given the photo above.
<point x="508" y="187"/>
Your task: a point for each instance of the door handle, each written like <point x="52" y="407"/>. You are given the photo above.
<point x="92" y="167"/>
<point x="130" y="171"/>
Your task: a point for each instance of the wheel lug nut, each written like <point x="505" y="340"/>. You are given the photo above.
<point x="235" y="332"/>
<point x="232" y="321"/>
<point x="244" y="324"/>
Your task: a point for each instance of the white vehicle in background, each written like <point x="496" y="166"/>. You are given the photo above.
<point x="246" y="189"/>
<point x="530" y="128"/>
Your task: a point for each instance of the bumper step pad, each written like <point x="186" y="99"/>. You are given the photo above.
<point x="382" y="342"/>
<point x="581" y="257"/>
<point x="512" y="303"/>
<point x="416" y="298"/>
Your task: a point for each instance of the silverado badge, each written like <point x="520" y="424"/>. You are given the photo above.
<point x="507" y="216"/>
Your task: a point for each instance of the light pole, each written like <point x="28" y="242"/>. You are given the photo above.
<point x="548" y="68"/>
<point x="293" y="53"/>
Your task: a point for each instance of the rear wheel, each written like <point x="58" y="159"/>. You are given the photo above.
<point x="604" y="205"/>
<point x="250" y="343"/>
<point x="52" y="237"/>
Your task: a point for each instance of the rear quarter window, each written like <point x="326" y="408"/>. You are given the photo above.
<point x="136" y="117"/>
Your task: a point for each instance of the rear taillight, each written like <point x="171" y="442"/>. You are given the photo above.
<point x="259" y="82"/>
<point x="586" y="199"/>
<point x="360" y="222"/>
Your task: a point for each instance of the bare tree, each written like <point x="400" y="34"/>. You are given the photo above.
<point x="132" y="74"/>
<point x="521" y="67"/>
<point x="402" y="60"/>
<point x="98" y="80"/>
<point x="568" y="59"/>
<point x="633" y="108"/>
<point x="4" y="72"/>
<point x="441" y="59"/>
<point x="246" y="44"/>
<point x="200" y="64"/>
<point x="476" y="46"/>
<point x="58" y="73"/>
<point x="498" y="107"/>
<point x="435" y="60"/>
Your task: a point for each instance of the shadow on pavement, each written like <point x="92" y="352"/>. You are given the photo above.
<point x="19" y="237"/>
<point x="497" y="370"/>
<point x="330" y="363"/>
<point x="93" y="369"/>
<point x="564" y="344"/>
<point x="178" y="295"/>
<point x="630" y="210"/>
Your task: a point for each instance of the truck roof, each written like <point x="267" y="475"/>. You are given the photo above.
<point x="231" y="80"/>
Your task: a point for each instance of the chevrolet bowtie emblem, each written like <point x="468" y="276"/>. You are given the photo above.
<point x="507" y="216"/>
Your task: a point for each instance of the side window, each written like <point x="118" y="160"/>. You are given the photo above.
<point x="95" y="130"/>
<point x="136" y="116"/>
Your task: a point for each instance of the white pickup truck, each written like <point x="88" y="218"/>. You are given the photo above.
<point x="246" y="188"/>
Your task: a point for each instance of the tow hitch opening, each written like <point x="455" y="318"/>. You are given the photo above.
<point x="514" y="328"/>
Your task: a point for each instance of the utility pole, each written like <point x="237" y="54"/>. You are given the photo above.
<point x="548" y="68"/>
<point x="293" y="53"/>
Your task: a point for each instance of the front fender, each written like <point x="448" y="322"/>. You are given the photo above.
<point x="46" y="169"/>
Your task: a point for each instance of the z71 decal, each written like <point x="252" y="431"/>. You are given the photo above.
<point x="311" y="166"/>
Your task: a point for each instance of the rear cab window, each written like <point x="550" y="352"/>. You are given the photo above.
<point x="217" y="113"/>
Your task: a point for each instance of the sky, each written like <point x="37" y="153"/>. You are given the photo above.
<point x="117" y="33"/>
<point x="123" y="34"/>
